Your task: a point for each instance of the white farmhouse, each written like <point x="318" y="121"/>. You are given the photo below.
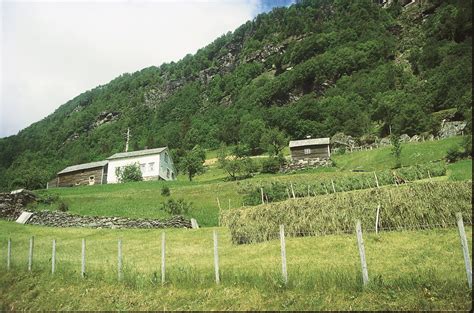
<point x="154" y="164"/>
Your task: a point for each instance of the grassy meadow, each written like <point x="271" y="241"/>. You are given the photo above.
<point x="144" y="199"/>
<point x="408" y="270"/>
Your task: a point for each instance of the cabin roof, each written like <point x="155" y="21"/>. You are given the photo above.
<point x="84" y="166"/>
<point x="123" y="155"/>
<point x="309" y="142"/>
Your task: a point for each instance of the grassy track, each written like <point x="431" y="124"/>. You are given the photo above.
<point x="407" y="270"/>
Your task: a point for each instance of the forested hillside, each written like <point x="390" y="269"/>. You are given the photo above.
<point x="315" y="68"/>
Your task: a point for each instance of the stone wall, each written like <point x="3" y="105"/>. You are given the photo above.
<point x="11" y="206"/>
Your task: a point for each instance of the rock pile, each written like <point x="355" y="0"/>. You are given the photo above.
<point x="12" y="204"/>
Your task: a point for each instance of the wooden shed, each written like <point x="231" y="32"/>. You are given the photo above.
<point x="306" y="149"/>
<point x="94" y="173"/>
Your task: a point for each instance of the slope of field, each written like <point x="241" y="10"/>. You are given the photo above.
<point x="407" y="271"/>
<point x="144" y="199"/>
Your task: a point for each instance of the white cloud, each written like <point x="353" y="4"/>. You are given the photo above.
<point x="53" y="51"/>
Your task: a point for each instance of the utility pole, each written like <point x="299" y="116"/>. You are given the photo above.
<point x="128" y="139"/>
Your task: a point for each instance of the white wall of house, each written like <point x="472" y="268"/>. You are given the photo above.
<point x="152" y="167"/>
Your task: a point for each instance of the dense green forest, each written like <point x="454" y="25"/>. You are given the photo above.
<point x="315" y="68"/>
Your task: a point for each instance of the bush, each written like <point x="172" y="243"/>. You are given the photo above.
<point x="270" y="165"/>
<point x="63" y="207"/>
<point x="176" y="207"/>
<point x="129" y="173"/>
<point x="165" y="191"/>
<point x="454" y="154"/>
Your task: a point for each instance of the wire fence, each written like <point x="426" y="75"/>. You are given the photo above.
<point x="281" y="234"/>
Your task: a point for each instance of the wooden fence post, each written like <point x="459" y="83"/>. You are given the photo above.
<point x="219" y="216"/>
<point x="360" y="242"/>
<point x="261" y="192"/>
<point x="163" y="259"/>
<point x="333" y="187"/>
<point x="119" y="260"/>
<point x="53" y="257"/>
<point x="283" y="254"/>
<point x="465" y="249"/>
<point x="30" y="254"/>
<point x="292" y="190"/>
<point x="216" y="258"/>
<point x="376" y="180"/>
<point x="83" y="258"/>
<point x="377" y="220"/>
<point x="9" y="253"/>
<point x="288" y="193"/>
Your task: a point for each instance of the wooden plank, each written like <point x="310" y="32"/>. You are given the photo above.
<point x="360" y="243"/>
<point x="216" y="258"/>
<point x="83" y="258"/>
<point x="283" y="254"/>
<point x="30" y="253"/>
<point x="261" y="192"/>
<point x="53" y="257"/>
<point x="333" y="188"/>
<point x="292" y="190"/>
<point x="163" y="258"/>
<point x="465" y="249"/>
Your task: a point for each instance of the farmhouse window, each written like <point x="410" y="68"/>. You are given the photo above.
<point x="307" y="151"/>
<point x="151" y="165"/>
<point x="142" y="167"/>
<point x="166" y="157"/>
<point x="167" y="173"/>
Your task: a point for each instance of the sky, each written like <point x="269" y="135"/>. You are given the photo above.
<point x="51" y="51"/>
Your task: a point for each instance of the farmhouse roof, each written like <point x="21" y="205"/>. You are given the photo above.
<point x="84" y="166"/>
<point x="123" y="155"/>
<point x="309" y="142"/>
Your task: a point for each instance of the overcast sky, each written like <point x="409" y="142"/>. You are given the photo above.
<point x="51" y="51"/>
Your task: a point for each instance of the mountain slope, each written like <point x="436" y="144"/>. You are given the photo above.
<point x="315" y="68"/>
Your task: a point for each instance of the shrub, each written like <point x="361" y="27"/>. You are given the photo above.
<point x="165" y="191"/>
<point x="129" y="173"/>
<point x="63" y="206"/>
<point x="176" y="207"/>
<point x="270" y="165"/>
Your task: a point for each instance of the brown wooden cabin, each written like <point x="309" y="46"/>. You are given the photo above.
<point x="94" y="173"/>
<point x="310" y="149"/>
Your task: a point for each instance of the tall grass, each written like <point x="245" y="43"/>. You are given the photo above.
<point x="409" y="270"/>
<point x="430" y="204"/>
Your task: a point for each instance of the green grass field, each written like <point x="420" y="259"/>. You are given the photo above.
<point x="144" y="199"/>
<point x="408" y="270"/>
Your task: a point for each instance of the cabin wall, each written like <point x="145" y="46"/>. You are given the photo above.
<point x="80" y="177"/>
<point x="317" y="151"/>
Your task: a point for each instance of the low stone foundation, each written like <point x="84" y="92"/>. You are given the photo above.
<point x="304" y="164"/>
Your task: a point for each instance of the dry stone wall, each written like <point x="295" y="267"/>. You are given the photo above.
<point x="12" y="205"/>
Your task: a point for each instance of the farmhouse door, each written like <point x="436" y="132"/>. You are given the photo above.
<point x="91" y="180"/>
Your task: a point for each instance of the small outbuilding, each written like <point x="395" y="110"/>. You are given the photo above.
<point x="307" y="149"/>
<point x="83" y="174"/>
